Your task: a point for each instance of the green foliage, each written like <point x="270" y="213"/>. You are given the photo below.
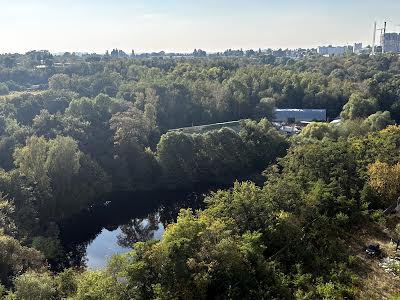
<point x="7" y="224"/>
<point x="359" y="107"/>
<point x="265" y="109"/>
<point x="59" y="82"/>
<point x="57" y="168"/>
<point x="98" y="285"/>
<point x="377" y="216"/>
<point x="3" y="89"/>
<point x="263" y="142"/>
<point x="62" y="164"/>
<point x="319" y="131"/>
<point x="216" y="155"/>
<point x="15" y="258"/>
<point x="31" y="285"/>
<point x="379" y="120"/>
<point x="353" y="128"/>
<point x="66" y="283"/>
<point x="297" y="218"/>
<point x="104" y="124"/>
<point x="23" y="107"/>
<point x="32" y="161"/>
<point x="204" y="258"/>
<point x="2" y="291"/>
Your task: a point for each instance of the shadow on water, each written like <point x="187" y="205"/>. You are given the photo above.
<point x="120" y="220"/>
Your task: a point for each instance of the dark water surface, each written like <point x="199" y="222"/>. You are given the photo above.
<point x="122" y="219"/>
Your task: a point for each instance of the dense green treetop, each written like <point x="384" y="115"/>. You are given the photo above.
<point x="77" y="128"/>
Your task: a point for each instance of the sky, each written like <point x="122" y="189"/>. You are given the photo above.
<point x="181" y="26"/>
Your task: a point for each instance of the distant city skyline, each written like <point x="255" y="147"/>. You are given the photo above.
<point x="181" y="26"/>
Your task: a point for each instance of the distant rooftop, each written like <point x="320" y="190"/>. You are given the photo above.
<point x="235" y="125"/>
<point x="300" y="110"/>
<point x="294" y="115"/>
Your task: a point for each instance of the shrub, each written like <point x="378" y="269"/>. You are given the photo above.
<point x="31" y="285"/>
<point x="66" y="283"/>
<point x="97" y="285"/>
<point x="3" y="89"/>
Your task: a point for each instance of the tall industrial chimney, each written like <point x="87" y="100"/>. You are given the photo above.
<point x="383" y="38"/>
<point x="374" y="39"/>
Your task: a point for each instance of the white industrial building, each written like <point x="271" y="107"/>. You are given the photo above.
<point x="293" y="115"/>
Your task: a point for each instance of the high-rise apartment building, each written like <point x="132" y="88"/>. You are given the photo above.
<point x="390" y="42"/>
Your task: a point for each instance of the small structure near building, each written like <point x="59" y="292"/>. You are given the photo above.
<point x="234" y="125"/>
<point x="292" y="115"/>
<point x="288" y="129"/>
<point x="288" y="121"/>
<point x="40" y="67"/>
<point x="36" y="87"/>
<point x="336" y="121"/>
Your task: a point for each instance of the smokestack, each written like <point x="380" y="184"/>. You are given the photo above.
<point x="374" y="39"/>
<point x="383" y="38"/>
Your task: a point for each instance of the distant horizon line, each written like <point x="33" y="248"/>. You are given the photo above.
<point x="83" y="52"/>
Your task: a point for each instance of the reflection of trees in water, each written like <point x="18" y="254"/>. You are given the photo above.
<point x="74" y="255"/>
<point x="138" y="230"/>
<point x="140" y="212"/>
<point x="169" y="210"/>
<point x="143" y="229"/>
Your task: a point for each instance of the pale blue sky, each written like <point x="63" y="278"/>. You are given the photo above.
<point x="176" y="25"/>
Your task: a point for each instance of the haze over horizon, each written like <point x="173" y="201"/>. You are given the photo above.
<point x="181" y="26"/>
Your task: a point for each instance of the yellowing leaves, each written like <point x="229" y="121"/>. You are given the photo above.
<point x="385" y="179"/>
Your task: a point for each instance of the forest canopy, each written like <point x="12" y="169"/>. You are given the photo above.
<point x="79" y="128"/>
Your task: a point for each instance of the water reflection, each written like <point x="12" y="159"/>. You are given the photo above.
<point x="120" y="220"/>
<point x="139" y="230"/>
<point x="102" y="248"/>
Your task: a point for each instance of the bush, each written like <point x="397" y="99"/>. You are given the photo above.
<point x="378" y="217"/>
<point x="15" y="258"/>
<point x="97" y="285"/>
<point x="66" y="283"/>
<point x="2" y="291"/>
<point x="319" y="131"/>
<point x="3" y="89"/>
<point x="36" y="286"/>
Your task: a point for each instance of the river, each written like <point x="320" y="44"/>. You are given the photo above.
<point x="119" y="220"/>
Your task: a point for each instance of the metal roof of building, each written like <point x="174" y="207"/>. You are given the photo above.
<point x="208" y="127"/>
<point x="300" y="114"/>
